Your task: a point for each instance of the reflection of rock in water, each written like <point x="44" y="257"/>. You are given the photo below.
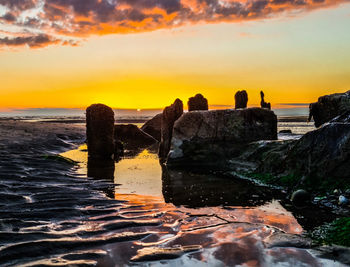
<point x="198" y="190"/>
<point x="132" y="152"/>
<point x="102" y="170"/>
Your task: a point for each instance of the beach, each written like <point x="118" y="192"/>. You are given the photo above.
<point x="52" y="213"/>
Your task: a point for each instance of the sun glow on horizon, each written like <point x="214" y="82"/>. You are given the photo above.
<point x="293" y="60"/>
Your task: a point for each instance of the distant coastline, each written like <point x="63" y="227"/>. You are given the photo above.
<point x="291" y="110"/>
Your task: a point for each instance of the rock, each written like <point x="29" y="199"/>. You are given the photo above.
<point x="300" y="198"/>
<point x="100" y="131"/>
<point x="170" y="115"/>
<point x="263" y="103"/>
<point x="209" y="139"/>
<point x="132" y="137"/>
<point x="264" y="157"/>
<point x="328" y="107"/>
<point x="153" y="127"/>
<point x="198" y="102"/>
<point x="285" y="131"/>
<point x="343" y="118"/>
<point x="118" y="150"/>
<point x="323" y="155"/>
<point x="241" y="99"/>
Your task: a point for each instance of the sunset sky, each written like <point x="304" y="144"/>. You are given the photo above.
<point x="145" y="53"/>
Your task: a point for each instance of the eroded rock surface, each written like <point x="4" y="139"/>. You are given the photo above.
<point x="170" y="115"/>
<point x="210" y="138"/>
<point x="241" y="99"/>
<point x="328" y="107"/>
<point x="153" y="127"/>
<point x="323" y="153"/>
<point x="198" y="102"/>
<point x="132" y="137"/>
<point x="100" y="131"/>
<point x="264" y="104"/>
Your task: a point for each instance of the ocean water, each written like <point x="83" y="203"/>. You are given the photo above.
<point x="137" y="213"/>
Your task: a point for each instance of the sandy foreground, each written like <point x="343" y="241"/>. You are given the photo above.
<point x="46" y="137"/>
<point x="50" y="216"/>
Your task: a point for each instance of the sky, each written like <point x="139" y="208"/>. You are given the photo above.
<point x="144" y="54"/>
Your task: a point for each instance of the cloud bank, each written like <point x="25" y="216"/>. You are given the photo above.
<point x="39" y="23"/>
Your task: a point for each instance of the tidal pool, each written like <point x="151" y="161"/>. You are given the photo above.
<point x="178" y="218"/>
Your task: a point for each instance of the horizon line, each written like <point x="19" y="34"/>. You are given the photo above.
<point x="19" y="109"/>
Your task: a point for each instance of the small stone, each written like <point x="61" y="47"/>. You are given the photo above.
<point x="300" y="198"/>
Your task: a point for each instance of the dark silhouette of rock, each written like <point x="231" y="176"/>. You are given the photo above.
<point x="170" y="115"/>
<point x="264" y="104"/>
<point x="100" y="131"/>
<point x="343" y="118"/>
<point x="319" y="160"/>
<point x="300" y="198"/>
<point x="209" y="139"/>
<point x="241" y="99"/>
<point x="322" y="154"/>
<point x="153" y="127"/>
<point x="198" y="102"/>
<point x="328" y="107"/>
<point x="118" y="149"/>
<point x="132" y="137"/>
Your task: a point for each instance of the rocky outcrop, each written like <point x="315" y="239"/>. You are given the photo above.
<point x="209" y="139"/>
<point x="153" y="127"/>
<point x="262" y="157"/>
<point x="132" y="137"/>
<point x="100" y="131"/>
<point x="329" y="106"/>
<point x="170" y="115"/>
<point x="322" y="154"/>
<point x="264" y="104"/>
<point x="198" y="102"/>
<point x="343" y="118"/>
<point x="241" y="99"/>
<point x="319" y="161"/>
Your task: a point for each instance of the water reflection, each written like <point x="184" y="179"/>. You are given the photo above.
<point x="205" y="189"/>
<point x="180" y="218"/>
<point x="102" y="170"/>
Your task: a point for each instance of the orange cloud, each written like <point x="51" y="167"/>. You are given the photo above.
<point x="82" y="18"/>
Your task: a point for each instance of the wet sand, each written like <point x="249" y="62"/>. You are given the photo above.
<point x="17" y="136"/>
<point x="52" y="213"/>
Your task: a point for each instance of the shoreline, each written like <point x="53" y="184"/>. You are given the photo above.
<point x="33" y="139"/>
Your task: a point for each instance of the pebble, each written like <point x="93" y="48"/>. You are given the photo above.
<point x="300" y="198"/>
